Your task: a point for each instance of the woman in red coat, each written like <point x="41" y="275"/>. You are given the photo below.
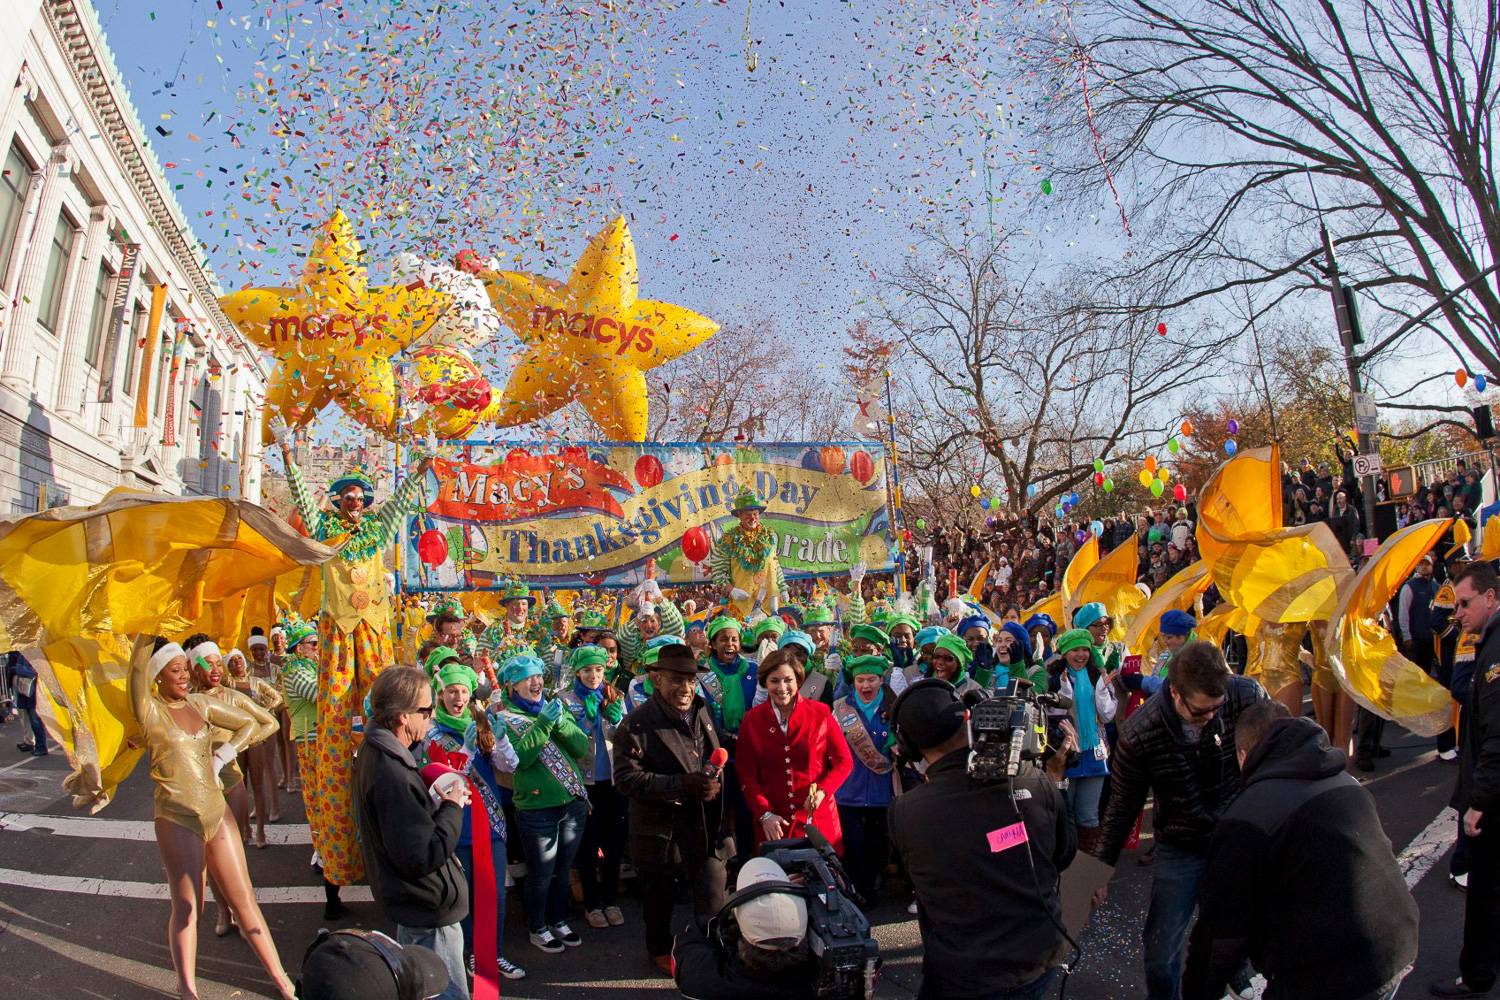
<point x="791" y="758"/>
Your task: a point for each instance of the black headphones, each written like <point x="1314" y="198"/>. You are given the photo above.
<point x="909" y="750"/>
<point x="382" y="946"/>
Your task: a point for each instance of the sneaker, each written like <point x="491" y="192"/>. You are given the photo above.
<point x="544" y="940"/>
<point x="1460" y="881"/>
<point x="566" y="934"/>
<point x="596" y="919"/>
<point x="26" y="747"/>
<point x="509" y="969"/>
<point x="469" y="964"/>
<point x="1448" y="756"/>
<point x="912" y="908"/>
<point x="614" y="916"/>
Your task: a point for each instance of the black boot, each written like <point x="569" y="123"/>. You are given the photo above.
<point x="333" y="907"/>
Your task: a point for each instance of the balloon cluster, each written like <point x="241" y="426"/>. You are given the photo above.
<point x="1462" y="378"/>
<point x="1232" y="427"/>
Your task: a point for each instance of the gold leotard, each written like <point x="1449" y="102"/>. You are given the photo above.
<point x="182" y="763"/>
<point x="265" y="727"/>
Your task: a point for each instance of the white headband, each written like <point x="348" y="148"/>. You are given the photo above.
<point x="257" y="640"/>
<point x="165" y="655"/>
<point x="275" y="630"/>
<point x="204" y="650"/>
<point x="235" y="652"/>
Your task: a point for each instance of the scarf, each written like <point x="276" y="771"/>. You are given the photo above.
<point x="748" y="550"/>
<point x="453" y="722"/>
<point x="590" y="697"/>
<point x="868" y="709"/>
<point x="527" y="705"/>
<point x="1084" y="715"/>
<point x="732" y="693"/>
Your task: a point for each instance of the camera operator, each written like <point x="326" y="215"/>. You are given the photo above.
<point x="765" y="954"/>
<point x="983" y="857"/>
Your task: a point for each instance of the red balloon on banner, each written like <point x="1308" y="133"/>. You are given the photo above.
<point x="648" y="471"/>
<point x="516" y="454"/>
<point x="831" y="457"/>
<point x="862" y="466"/>
<point x="432" y="547"/>
<point x="695" y="545"/>
<point x="1179" y="493"/>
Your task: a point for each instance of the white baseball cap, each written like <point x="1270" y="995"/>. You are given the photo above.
<point x="777" y="920"/>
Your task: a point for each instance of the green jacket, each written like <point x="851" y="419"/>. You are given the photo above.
<point x="299" y="687"/>
<point x="536" y="787"/>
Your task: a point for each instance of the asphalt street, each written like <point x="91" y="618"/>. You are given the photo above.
<point x="83" y="911"/>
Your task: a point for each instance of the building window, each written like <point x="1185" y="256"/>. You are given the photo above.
<point x="99" y="317"/>
<point x="133" y="349"/>
<point x="15" y="184"/>
<point x="59" y="254"/>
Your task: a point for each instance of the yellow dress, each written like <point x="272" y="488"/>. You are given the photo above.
<point x="265" y="727"/>
<point x="182" y="763"/>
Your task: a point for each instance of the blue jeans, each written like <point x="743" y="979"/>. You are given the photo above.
<point x="1034" y="990"/>
<point x="447" y="942"/>
<point x="466" y="858"/>
<point x="549" y="839"/>
<point x="1174" y="897"/>
<point x="1083" y="799"/>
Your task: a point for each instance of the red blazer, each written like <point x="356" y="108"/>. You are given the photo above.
<point x="777" y="768"/>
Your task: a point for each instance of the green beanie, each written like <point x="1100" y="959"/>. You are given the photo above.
<point x="867" y="665"/>
<point x="957" y="647"/>
<point x="1073" y="638"/>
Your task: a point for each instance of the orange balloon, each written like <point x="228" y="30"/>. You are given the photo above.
<point x="1186" y="428"/>
<point x="831" y="457"/>
<point x="1461" y="377"/>
<point x="1150" y="463"/>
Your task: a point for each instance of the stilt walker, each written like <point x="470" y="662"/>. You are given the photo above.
<point x="354" y="639"/>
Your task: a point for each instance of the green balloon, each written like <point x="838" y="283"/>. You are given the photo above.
<point x="921" y="524"/>
<point x="1046" y="185"/>
<point x="1109" y="486"/>
<point x="995" y="502"/>
<point x="1098" y="465"/>
<point x="1156" y="487"/>
<point x="1173" y="446"/>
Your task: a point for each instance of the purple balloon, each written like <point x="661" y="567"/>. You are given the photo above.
<point x="1233" y="426"/>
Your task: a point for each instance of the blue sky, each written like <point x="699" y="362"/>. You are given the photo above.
<point x="784" y="192"/>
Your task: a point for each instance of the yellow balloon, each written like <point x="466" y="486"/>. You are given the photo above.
<point x="452" y="394"/>
<point x="1165" y="474"/>
<point x="334" y="335"/>
<point x="591" y="339"/>
<point x="973" y="491"/>
<point x="1144" y="477"/>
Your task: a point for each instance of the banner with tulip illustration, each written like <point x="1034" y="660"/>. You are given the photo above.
<point x="593" y="515"/>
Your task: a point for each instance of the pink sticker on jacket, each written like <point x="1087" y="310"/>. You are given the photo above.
<point x="1007" y="837"/>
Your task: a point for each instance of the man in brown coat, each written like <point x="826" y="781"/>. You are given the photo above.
<point x="679" y="827"/>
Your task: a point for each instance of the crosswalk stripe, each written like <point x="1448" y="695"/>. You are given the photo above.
<point x="102" y="828"/>
<point x="156" y="890"/>
<point x="1428" y="846"/>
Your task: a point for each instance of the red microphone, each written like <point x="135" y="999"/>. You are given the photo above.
<point x="716" y="762"/>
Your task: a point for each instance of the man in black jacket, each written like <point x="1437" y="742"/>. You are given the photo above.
<point x="984" y="859"/>
<point x="409" y="845"/>
<point x="1476" y="592"/>
<point x="678" y="823"/>
<point x="1302" y="837"/>
<point x="1178" y="747"/>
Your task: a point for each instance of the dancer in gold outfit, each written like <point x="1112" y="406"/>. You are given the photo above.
<point x="178" y="729"/>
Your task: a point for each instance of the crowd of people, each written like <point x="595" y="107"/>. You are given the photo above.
<point x="689" y="742"/>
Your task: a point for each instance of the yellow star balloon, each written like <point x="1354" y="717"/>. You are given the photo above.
<point x="333" y="334"/>
<point x="591" y="339"/>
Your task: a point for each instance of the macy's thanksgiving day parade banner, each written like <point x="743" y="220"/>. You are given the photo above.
<point x="592" y="515"/>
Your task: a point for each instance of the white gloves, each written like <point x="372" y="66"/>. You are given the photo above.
<point x="223" y="757"/>
<point x="278" y="428"/>
<point x="738" y="595"/>
<point x="857" y="573"/>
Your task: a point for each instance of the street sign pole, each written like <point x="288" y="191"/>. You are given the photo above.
<point x="1346" y="320"/>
